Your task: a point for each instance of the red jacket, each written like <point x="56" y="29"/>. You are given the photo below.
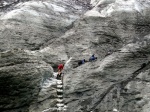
<point x="60" y="66"/>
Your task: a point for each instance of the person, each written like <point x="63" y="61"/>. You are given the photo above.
<point x="60" y="68"/>
<point x="81" y="62"/>
<point x="92" y="58"/>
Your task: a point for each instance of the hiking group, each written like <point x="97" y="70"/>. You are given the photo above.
<point x="80" y="62"/>
<point x="92" y="58"/>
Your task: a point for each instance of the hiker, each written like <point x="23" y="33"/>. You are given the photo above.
<point x="60" y="68"/>
<point x="81" y="62"/>
<point x="92" y="58"/>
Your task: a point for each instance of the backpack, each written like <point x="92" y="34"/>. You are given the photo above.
<point x="59" y="76"/>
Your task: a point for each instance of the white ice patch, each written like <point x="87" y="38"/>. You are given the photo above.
<point x="138" y="7"/>
<point x="124" y="49"/>
<point x="115" y="110"/>
<point x="31" y="4"/>
<point x="45" y="49"/>
<point x="73" y="17"/>
<point x="67" y="64"/>
<point x="32" y="12"/>
<point x="5" y="3"/>
<point x="107" y="11"/>
<point x="58" y="8"/>
<point x="93" y="13"/>
<point x="68" y="61"/>
<point x="48" y="83"/>
<point x="55" y="74"/>
<point x="105" y="2"/>
<point x="130" y="5"/>
<point x="11" y="14"/>
<point x="93" y="2"/>
<point x="26" y="8"/>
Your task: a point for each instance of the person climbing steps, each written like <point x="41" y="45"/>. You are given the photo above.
<point x="60" y="106"/>
<point x="60" y="68"/>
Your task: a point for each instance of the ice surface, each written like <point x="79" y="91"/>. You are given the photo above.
<point x="29" y="8"/>
<point x="116" y="6"/>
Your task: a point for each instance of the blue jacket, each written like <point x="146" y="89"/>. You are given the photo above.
<point x="92" y="57"/>
<point x="83" y="61"/>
